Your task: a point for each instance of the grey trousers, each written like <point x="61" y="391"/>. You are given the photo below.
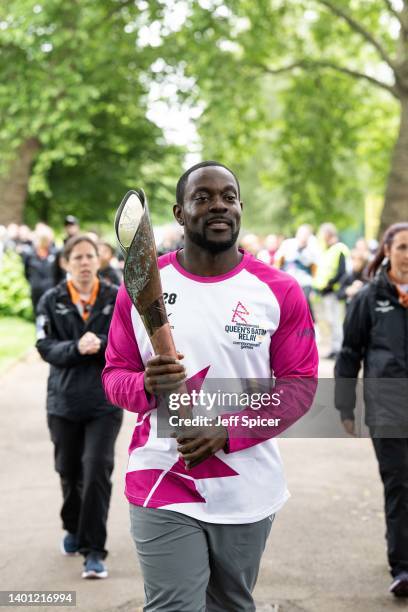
<point x="193" y="566"/>
<point x="334" y="316"/>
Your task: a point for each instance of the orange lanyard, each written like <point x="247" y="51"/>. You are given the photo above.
<point x="402" y="295"/>
<point x="84" y="306"/>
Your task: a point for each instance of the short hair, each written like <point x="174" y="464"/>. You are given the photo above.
<point x="106" y="244"/>
<point x="328" y="228"/>
<point x="72" y="242"/>
<point x="71" y="220"/>
<point x="182" y="182"/>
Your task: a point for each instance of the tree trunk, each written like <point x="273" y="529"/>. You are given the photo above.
<point x="14" y="186"/>
<point x="396" y="195"/>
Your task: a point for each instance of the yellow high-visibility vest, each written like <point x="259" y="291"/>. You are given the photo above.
<point x="328" y="265"/>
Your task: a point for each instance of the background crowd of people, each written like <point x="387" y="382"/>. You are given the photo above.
<point x="42" y="255"/>
<point x="329" y="272"/>
<point x="360" y="285"/>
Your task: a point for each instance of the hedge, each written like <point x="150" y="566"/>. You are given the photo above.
<point x="14" y="290"/>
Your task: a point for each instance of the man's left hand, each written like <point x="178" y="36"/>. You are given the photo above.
<point x="196" y="444"/>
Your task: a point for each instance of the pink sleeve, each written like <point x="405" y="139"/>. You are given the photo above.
<point x="122" y="376"/>
<point x="296" y="396"/>
<point x="294" y="362"/>
<point x="293" y="350"/>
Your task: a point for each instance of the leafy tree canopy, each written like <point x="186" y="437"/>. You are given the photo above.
<point x="74" y="81"/>
<point x="299" y="96"/>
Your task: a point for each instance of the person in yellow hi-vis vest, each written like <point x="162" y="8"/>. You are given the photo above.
<point x="331" y="267"/>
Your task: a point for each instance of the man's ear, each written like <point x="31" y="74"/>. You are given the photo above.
<point x="178" y="214"/>
<point x="242" y="205"/>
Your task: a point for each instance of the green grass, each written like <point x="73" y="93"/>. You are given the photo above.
<point x="17" y="336"/>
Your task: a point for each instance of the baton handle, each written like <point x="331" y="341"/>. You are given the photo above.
<point x="162" y="341"/>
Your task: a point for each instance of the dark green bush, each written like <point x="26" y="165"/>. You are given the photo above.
<point x="14" y="290"/>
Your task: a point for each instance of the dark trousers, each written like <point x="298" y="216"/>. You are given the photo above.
<point x="392" y="455"/>
<point x="84" y="459"/>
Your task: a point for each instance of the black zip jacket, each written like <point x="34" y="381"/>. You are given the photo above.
<point x="110" y="275"/>
<point x="347" y="280"/>
<point x="74" y="388"/>
<point x="39" y="271"/>
<point x="375" y="332"/>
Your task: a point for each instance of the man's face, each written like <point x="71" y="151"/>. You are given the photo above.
<point x="358" y="261"/>
<point x="302" y="236"/>
<point x="211" y="212"/>
<point x="326" y="237"/>
<point x="105" y="254"/>
<point x="71" y="229"/>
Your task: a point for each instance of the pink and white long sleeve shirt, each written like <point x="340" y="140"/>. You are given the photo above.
<point x="250" y="323"/>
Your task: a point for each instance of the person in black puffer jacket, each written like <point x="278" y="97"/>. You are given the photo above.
<point x="376" y="332"/>
<point x="72" y="326"/>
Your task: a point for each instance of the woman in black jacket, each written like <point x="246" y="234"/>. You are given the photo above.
<point x="376" y="332"/>
<point x="72" y="327"/>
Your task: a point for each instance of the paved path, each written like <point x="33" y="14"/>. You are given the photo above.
<point x="326" y="552"/>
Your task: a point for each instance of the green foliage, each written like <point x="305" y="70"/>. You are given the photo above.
<point x="317" y="170"/>
<point x="308" y="141"/>
<point x="75" y="78"/>
<point x="94" y="187"/>
<point x="14" y="290"/>
<point x="17" y="336"/>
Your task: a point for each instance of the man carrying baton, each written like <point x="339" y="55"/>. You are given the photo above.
<point x="202" y="505"/>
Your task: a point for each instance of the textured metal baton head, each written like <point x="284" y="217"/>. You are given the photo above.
<point x="128" y="217"/>
<point x="141" y="274"/>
